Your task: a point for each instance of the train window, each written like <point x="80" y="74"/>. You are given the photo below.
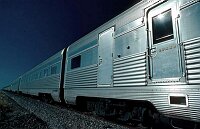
<point x="76" y="62"/>
<point x="41" y="75"/>
<point x="46" y="72"/>
<point x="162" y="27"/>
<point x="34" y="76"/>
<point x="53" y="69"/>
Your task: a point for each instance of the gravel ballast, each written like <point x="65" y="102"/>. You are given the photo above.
<point x="61" y="118"/>
<point x="13" y="116"/>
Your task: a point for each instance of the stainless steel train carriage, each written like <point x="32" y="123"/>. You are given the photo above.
<point x="44" y="79"/>
<point x="139" y="66"/>
<point x="15" y="85"/>
<point x="149" y="54"/>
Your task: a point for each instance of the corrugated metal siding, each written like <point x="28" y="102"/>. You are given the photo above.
<point x="160" y="100"/>
<point x="84" y="77"/>
<point x="192" y="56"/>
<point x="15" y="84"/>
<point x="130" y="70"/>
<point x="51" y="82"/>
<point x="157" y="95"/>
<point x="195" y="105"/>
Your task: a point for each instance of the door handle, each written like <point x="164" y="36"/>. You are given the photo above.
<point x="153" y="52"/>
<point x="100" y="61"/>
<point x="153" y="49"/>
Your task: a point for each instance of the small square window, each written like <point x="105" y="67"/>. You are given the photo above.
<point x="162" y="27"/>
<point x="46" y="72"/>
<point x="41" y="74"/>
<point x="53" y="69"/>
<point x="76" y="62"/>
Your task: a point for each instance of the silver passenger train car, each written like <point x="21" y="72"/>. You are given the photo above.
<point x="144" y="60"/>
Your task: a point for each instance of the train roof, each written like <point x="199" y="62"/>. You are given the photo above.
<point x="44" y="62"/>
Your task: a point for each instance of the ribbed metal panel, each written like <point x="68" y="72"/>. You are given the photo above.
<point x="192" y="55"/>
<point x="51" y="82"/>
<point x="84" y="77"/>
<point x="15" y="84"/>
<point x="158" y="96"/>
<point x="130" y="70"/>
<point x="191" y="112"/>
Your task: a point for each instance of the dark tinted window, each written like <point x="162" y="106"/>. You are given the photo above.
<point x="53" y="69"/>
<point x="162" y="27"/>
<point x="46" y="72"/>
<point x="76" y="62"/>
<point x="41" y="74"/>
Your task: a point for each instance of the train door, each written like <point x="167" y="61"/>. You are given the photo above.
<point x="165" y="59"/>
<point x="105" y="66"/>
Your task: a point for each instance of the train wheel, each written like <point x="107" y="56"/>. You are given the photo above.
<point x="47" y="98"/>
<point x="147" y="118"/>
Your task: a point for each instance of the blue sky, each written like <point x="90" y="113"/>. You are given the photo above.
<point x="33" y="30"/>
